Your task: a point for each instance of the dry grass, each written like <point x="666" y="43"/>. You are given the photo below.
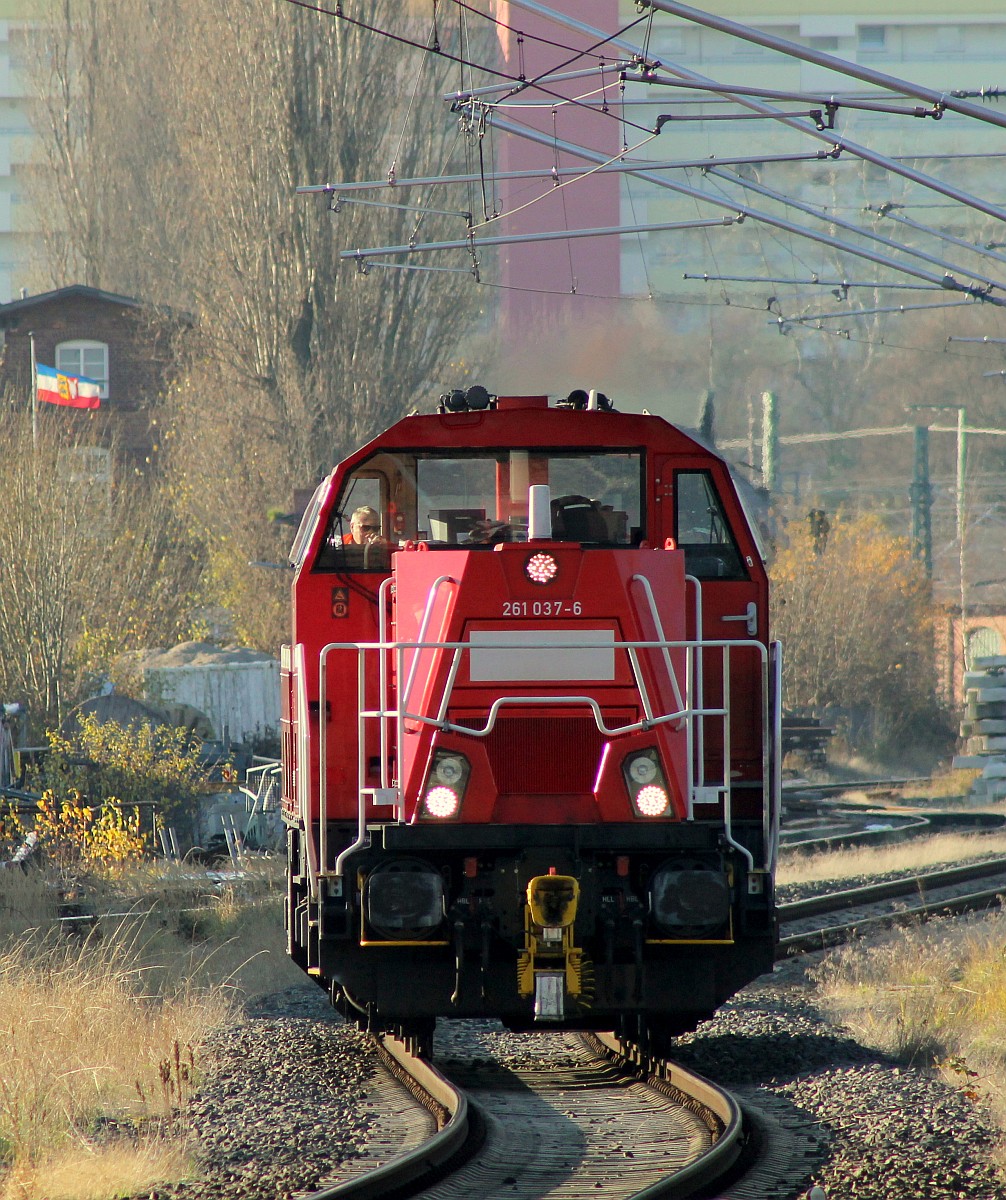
<point x="933" y="996"/>
<point x="87" y="1046"/>
<point x="27" y="901"/>
<point x="100" y="1172"/>
<point x="945" y="785"/>
<point x="102" y="1034"/>
<point x="912" y="855"/>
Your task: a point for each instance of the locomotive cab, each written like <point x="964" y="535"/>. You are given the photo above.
<point x="530" y="750"/>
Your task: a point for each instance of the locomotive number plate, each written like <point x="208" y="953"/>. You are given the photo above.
<point x="542" y="608"/>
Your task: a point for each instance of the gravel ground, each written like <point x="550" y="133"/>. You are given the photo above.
<point x="285" y="1091"/>
<point x="879" y="1130"/>
<point x="288" y="1088"/>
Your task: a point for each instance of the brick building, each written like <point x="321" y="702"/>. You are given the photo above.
<point x="123" y="344"/>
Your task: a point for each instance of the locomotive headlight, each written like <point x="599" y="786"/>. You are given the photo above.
<point x="690" y="897"/>
<point x="652" y="801"/>
<point x="449" y="770"/>
<point x="646" y="783"/>
<point x="541" y="568"/>
<point x="441" y="802"/>
<point x="403" y="899"/>
<point x="642" y="770"/>
<point x="445" y="785"/>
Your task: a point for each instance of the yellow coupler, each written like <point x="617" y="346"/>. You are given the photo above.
<point x="548" y="934"/>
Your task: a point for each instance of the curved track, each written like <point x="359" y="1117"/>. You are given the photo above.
<point x="563" y="1115"/>
<point x="933" y="894"/>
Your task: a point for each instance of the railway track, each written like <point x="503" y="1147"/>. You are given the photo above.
<point x="563" y="1115"/>
<point x="913" y="898"/>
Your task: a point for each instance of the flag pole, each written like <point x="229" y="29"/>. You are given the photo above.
<point x="34" y="393"/>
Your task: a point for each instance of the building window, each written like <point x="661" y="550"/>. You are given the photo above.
<point x="950" y="39"/>
<point x="982" y="642"/>
<point x="872" y="37"/>
<point x="89" y="359"/>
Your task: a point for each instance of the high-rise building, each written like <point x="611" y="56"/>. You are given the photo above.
<point x="957" y="49"/>
<point x="15" y="147"/>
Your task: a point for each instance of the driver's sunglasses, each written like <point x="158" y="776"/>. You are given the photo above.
<point x="371" y="528"/>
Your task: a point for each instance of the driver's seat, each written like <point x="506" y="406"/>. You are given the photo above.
<point x="578" y="519"/>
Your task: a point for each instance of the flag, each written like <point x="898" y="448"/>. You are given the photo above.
<point x="72" y="391"/>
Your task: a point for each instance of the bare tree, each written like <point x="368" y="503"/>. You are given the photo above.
<point x="87" y="570"/>
<point x="854" y="612"/>
<point x="188" y="197"/>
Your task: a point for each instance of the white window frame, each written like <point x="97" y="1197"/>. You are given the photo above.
<point x="70" y="361"/>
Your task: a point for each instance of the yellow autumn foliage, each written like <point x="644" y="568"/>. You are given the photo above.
<point x="855" y="617"/>
<point x="75" y="836"/>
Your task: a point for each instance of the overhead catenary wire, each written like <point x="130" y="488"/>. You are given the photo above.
<point x="813" y="281"/>
<point x="946" y="281"/>
<point x="947" y="100"/>
<point x="612" y="166"/>
<point x="850" y="313"/>
<point x="941" y="234"/>
<point x="338" y="13"/>
<point x="547" y="236"/>
<point x="830" y="61"/>
<point x="852" y="227"/>
<point x="593" y="156"/>
<point x="789" y="228"/>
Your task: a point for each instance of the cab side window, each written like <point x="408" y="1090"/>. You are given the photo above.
<point x="701" y="529"/>
<point x="356" y="538"/>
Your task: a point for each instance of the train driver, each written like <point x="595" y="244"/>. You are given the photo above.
<point x="364" y="528"/>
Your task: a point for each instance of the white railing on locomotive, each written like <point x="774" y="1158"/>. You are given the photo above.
<point x="389" y="792"/>
<point x="771" y="729"/>
<point x="564" y="644"/>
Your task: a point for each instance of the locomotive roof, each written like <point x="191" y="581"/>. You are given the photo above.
<point x="531" y="421"/>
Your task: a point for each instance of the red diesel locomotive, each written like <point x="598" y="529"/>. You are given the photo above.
<point x="530" y="725"/>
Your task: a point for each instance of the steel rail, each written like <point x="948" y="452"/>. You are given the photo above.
<point x="411" y="1169"/>
<point x="852" y="897"/>
<point x="929" y="907"/>
<point x="837" y="935"/>
<point x="420" y="1166"/>
<point x="725" y="1151"/>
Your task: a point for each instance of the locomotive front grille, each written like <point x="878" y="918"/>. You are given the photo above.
<point x="542" y="755"/>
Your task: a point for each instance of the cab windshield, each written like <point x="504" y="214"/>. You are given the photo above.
<point x="480" y="498"/>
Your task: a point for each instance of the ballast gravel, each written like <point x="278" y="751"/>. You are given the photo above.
<point x="289" y="1092"/>
<point x="285" y="1093"/>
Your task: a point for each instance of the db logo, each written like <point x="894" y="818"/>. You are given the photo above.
<point x="340" y="602"/>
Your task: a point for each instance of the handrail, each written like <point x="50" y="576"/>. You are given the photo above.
<point x="700" y="743"/>
<point x="382" y="633"/>
<point x="727" y="792"/>
<point x="658" y="626"/>
<point x="691" y="712"/>
<point x="564" y="698"/>
<point x="773" y="830"/>
<point x="303" y="768"/>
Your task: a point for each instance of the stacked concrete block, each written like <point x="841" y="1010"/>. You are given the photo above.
<point x="983" y="727"/>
